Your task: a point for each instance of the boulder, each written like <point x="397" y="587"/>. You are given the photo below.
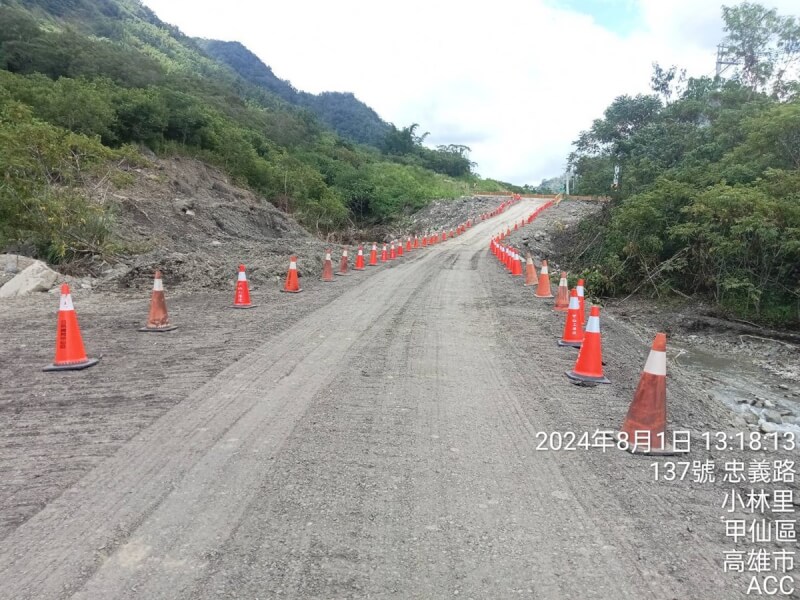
<point x="37" y="277"/>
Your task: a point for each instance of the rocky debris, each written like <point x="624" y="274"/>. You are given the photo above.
<point x="541" y="242"/>
<point x="448" y="213"/>
<point x="37" y="277"/>
<point x="12" y="264"/>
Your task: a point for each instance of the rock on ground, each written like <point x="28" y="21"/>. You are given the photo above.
<point x="37" y="277"/>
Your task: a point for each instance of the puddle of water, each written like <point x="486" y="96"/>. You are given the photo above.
<point x="735" y="381"/>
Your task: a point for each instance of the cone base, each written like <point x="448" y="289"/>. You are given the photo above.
<point x="538" y="296"/>
<point x="667" y="450"/>
<point x="159" y="329"/>
<point x="570" y="344"/>
<point x="572" y="375"/>
<point x="530" y="284"/>
<point x="341" y="273"/>
<point x="89" y="362"/>
<point x="293" y="291"/>
<point x="243" y="306"/>
<point x="324" y="280"/>
<point x="561" y="308"/>
<point x="358" y="268"/>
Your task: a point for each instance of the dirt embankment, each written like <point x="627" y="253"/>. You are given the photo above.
<point x="447" y="214"/>
<point x="187" y="219"/>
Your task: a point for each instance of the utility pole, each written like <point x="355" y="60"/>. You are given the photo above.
<point x="722" y="64"/>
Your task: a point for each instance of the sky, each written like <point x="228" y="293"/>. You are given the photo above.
<point x="515" y="80"/>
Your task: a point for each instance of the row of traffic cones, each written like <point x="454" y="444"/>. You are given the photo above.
<point x="70" y="354"/>
<point x="644" y="427"/>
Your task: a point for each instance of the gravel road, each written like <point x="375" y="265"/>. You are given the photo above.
<point x="383" y="445"/>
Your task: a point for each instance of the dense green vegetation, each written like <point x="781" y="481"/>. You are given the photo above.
<point x="708" y="199"/>
<point x="344" y="113"/>
<point x="83" y="82"/>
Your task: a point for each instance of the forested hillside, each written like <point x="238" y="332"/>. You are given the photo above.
<point x="88" y="83"/>
<point x="342" y="112"/>
<point x="708" y="195"/>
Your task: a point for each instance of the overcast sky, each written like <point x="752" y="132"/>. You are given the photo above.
<point x="515" y="80"/>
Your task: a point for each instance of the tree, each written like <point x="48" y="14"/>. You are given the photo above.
<point x="765" y="46"/>
<point x="663" y="83"/>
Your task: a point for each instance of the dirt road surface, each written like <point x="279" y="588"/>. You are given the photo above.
<point x="380" y="443"/>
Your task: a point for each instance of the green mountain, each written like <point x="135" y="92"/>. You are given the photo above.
<point x="85" y="84"/>
<point x="342" y="112"/>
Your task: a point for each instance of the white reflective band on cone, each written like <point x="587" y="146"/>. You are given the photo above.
<point x="344" y="253"/>
<point x="327" y="256"/>
<point x="563" y="282"/>
<point x="293" y="264"/>
<point x="360" y="252"/>
<point x="580" y="291"/>
<point x="544" y="270"/>
<point x="574" y="304"/>
<point x="158" y="285"/>
<point x="66" y="303"/>
<point x="593" y="326"/>
<point x="242" y="276"/>
<point x="656" y="363"/>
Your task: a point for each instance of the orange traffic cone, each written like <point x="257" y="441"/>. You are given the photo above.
<point x="399" y="248"/>
<point x="360" y="259"/>
<point x="70" y="353"/>
<point x="241" y="298"/>
<point x="424" y="241"/>
<point x="543" y="289"/>
<point x="562" y="298"/>
<point x="408" y="244"/>
<point x="530" y="271"/>
<point x="384" y="254"/>
<point x="573" y="334"/>
<point x="392" y="252"/>
<point x="292" y="284"/>
<point x="373" y="255"/>
<point x="516" y="265"/>
<point x="327" y="268"/>
<point x="416" y="242"/>
<point x="158" y="319"/>
<point x="343" y="263"/>
<point x="646" y="422"/>
<point x="581" y="300"/>
<point x="589" y="366"/>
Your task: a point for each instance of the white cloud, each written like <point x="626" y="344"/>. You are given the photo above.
<point x="514" y="81"/>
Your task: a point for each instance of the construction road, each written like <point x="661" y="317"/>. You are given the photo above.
<point x="384" y="446"/>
